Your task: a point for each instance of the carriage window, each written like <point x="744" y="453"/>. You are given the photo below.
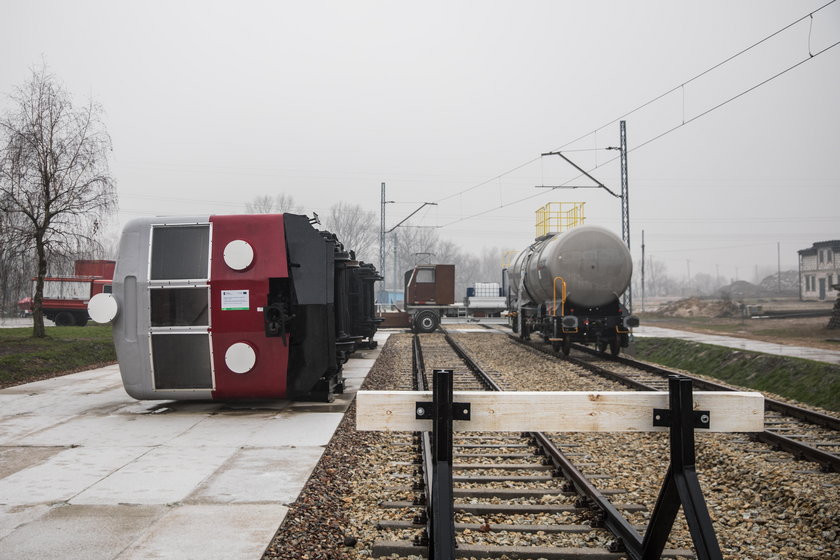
<point x="182" y="361"/>
<point x="174" y="307"/>
<point x="180" y="252"/>
<point x="425" y="275"/>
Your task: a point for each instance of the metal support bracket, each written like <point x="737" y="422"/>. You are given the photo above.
<point x="662" y="417"/>
<point x="424" y="410"/>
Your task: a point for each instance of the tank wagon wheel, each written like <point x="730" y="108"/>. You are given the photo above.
<point x="64" y="319"/>
<point x="426" y="322"/>
<point x="615" y="345"/>
<point x="602" y="345"/>
<point x="567" y="345"/>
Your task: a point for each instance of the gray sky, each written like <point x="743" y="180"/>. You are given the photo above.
<point x="212" y="103"/>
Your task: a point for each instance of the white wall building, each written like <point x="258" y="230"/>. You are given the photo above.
<point x="819" y="270"/>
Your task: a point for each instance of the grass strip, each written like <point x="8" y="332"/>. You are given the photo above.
<point x="64" y="350"/>
<point x="807" y="381"/>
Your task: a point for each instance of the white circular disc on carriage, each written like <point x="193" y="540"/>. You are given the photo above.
<point x="102" y="308"/>
<point x="240" y="357"/>
<point x="238" y="254"/>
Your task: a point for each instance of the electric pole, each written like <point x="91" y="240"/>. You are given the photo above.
<point x="688" y="276"/>
<point x="624" y="196"/>
<point x="396" y="275"/>
<point x="643" y="271"/>
<point x="779" y="266"/>
<point x="382" y="238"/>
<point x="625" y="209"/>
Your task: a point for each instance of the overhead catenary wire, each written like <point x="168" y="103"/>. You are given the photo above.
<point x="646" y="104"/>
<point x="490" y="180"/>
<point x="811" y="56"/>
<point x="703" y="73"/>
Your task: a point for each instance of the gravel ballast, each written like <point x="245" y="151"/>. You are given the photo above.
<point x="764" y="503"/>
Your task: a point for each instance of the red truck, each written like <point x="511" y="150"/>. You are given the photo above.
<point x="66" y="297"/>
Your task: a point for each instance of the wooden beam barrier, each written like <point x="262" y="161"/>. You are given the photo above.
<point x="565" y="411"/>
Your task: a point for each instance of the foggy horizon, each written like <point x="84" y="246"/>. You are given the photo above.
<point x="210" y="105"/>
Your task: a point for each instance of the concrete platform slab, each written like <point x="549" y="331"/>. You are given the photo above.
<point x="221" y="430"/>
<point x="12" y="517"/>
<point x="65" y="475"/>
<point x="88" y="472"/>
<point x="353" y="384"/>
<point x="170" y="407"/>
<point x="17" y="427"/>
<point x="351" y="372"/>
<point x="87" y="394"/>
<point x="14" y="459"/>
<point x="164" y="475"/>
<point x="89" y="532"/>
<point x="113" y="430"/>
<point x="340" y="404"/>
<point x="296" y="428"/>
<point x="361" y="362"/>
<point x="210" y="532"/>
<point x="259" y="475"/>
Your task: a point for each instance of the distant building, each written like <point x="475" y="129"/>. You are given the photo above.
<point x="819" y="270"/>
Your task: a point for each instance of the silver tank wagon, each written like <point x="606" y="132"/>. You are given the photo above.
<point x="567" y="287"/>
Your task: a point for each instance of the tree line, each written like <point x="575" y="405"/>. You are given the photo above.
<point x="358" y="229"/>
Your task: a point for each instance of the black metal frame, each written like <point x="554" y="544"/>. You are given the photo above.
<point x="681" y="486"/>
<point x="440" y="526"/>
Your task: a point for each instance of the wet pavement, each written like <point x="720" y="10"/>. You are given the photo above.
<point x="816" y="354"/>
<point x="88" y="472"/>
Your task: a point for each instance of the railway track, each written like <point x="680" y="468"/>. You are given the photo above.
<point x="804" y="433"/>
<point x="511" y="489"/>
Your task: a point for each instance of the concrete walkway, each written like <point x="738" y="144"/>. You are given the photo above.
<point x="87" y="472"/>
<point x="817" y="354"/>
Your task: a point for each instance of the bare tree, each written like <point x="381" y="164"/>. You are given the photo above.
<point x="266" y="204"/>
<point x="411" y="241"/>
<point x="55" y="185"/>
<point x="355" y="227"/>
<point x="469" y="268"/>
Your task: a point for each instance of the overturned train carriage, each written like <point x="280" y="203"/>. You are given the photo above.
<point x="567" y="286"/>
<point x="245" y="306"/>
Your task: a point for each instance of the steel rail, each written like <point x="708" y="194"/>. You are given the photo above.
<point x="419" y="367"/>
<point x="611" y="519"/>
<point x="829" y="461"/>
<point x="775" y="405"/>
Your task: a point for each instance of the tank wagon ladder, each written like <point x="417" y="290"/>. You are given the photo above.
<point x="561" y="342"/>
<point x="570" y="412"/>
